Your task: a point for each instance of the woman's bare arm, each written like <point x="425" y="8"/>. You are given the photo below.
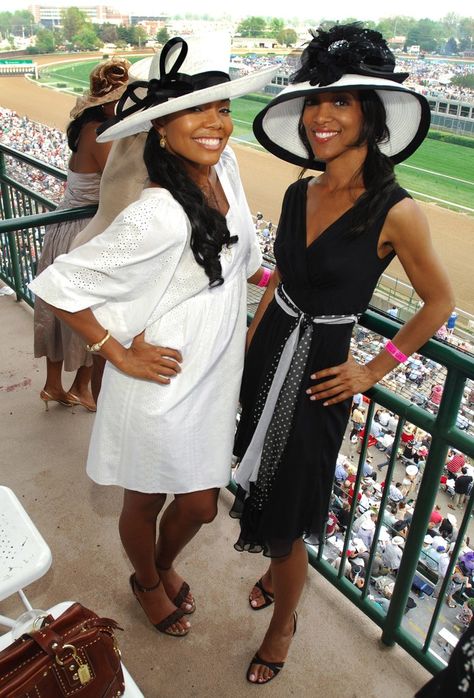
<point x="141" y="360"/>
<point x="406" y="231"/>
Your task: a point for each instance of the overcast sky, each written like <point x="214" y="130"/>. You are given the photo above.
<point x="367" y="9"/>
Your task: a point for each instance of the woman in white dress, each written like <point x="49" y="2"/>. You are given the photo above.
<point x="161" y="295"/>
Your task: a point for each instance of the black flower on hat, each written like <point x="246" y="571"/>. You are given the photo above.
<point x="347" y="48"/>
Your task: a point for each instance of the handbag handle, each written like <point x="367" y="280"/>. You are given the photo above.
<point x="53" y="644"/>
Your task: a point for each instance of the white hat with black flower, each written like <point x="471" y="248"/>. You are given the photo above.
<point x="347" y="57"/>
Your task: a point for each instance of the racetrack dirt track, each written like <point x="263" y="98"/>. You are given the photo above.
<point x="265" y="180"/>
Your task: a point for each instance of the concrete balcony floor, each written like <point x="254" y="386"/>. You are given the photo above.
<point x="336" y="651"/>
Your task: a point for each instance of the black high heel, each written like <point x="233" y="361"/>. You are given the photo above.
<point x="268" y="597"/>
<point x="276" y="667"/>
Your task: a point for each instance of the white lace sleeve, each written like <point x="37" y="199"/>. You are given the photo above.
<point x="122" y="273"/>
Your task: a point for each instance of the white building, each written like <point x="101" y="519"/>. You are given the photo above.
<point x="50" y="15"/>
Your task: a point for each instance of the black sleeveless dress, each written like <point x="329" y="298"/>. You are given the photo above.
<point x="336" y="274"/>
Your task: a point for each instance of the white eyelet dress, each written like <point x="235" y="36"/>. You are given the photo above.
<point x="140" y="273"/>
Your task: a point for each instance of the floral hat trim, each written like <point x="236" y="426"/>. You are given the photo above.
<point x="108" y="82"/>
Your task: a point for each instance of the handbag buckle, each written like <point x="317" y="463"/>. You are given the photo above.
<point x="83" y="671"/>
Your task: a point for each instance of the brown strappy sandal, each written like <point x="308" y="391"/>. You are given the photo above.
<point x="180" y="597"/>
<point x="164" y="625"/>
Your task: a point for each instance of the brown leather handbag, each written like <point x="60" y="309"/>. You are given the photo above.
<point x="75" y="655"/>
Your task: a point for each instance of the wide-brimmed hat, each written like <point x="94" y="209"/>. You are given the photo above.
<point x="108" y="81"/>
<point x="398" y="540"/>
<point x="185" y="74"/>
<point x="347" y="57"/>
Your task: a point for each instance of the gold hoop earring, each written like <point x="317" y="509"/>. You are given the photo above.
<point x="163" y="141"/>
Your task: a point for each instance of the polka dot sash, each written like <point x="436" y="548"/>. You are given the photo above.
<point x="260" y="463"/>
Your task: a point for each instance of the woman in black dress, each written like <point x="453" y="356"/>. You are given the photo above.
<point x="346" y="113"/>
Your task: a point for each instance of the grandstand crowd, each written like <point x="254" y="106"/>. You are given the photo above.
<point x="434" y="78"/>
<point x="429" y="77"/>
<point x="39" y="141"/>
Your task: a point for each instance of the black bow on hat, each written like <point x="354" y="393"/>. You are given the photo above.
<point x="347" y="48"/>
<point x="169" y="85"/>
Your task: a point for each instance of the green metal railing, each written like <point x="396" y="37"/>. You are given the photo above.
<point x="20" y="246"/>
<point x="17" y="266"/>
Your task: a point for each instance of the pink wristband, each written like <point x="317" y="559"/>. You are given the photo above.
<point x="396" y="353"/>
<point x="265" y="277"/>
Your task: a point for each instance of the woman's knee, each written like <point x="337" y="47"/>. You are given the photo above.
<point x="200" y="508"/>
<point x="141" y="505"/>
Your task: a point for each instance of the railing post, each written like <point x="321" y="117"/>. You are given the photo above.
<point x="15" y="261"/>
<point x="425" y="501"/>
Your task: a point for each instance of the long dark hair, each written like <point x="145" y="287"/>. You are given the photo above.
<point x="76" y="125"/>
<point x="209" y="231"/>
<point x="377" y="171"/>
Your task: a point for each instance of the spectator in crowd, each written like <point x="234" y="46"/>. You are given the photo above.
<point x="448" y="527"/>
<point x="367" y="529"/>
<point x="385" y="443"/>
<point x="344" y="515"/>
<point x="436" y="515"/>
<point x="451" y="323"/>
<point x="408" y="433"/>
<point x="455" y="463"/>
<point x="393" y="311"/>
<point x="376" y="429"/>
<point x="392" y="423"/>
<point x="367" y="468"/>
<point x="457" y="580"/>
<point x="340" y="474"/>
<point x="462" y="487"/>
<point x="358" y="418"/>
<point x="395" y="493"/>
<point x="392" y="554"/>
<point x="390" y="515"/>
<point x="384" y="418"/>
<point x="353" y="442"/>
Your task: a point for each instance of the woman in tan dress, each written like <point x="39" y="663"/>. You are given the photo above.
<point x="52" y="338"/>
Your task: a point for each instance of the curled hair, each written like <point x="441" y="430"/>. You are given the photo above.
<point x="76" y="125"/>
<point x="209" y="231"/>
<point x="377" y="170"/>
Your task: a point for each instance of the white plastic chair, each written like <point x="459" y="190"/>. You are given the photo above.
<point x="24" y="558"/>
<point x="24" y="554"/>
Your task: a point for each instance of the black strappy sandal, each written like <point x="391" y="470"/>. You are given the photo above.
<point x="164" y="625"/>
<point x="276" y="667"/>
<point x="267" y="596"/>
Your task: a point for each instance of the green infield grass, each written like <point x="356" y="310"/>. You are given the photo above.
<point x="76" y="74"/>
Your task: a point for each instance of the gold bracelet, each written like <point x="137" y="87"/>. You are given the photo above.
<point x="98" y="345"/>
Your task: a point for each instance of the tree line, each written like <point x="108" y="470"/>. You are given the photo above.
<point x="451" y="35"/>
<point x="76" y="32"/>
